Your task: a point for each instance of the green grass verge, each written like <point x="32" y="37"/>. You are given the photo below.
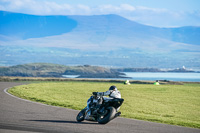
<point x="170" y="104"/>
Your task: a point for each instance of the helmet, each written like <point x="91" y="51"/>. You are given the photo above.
<point x="113" y="88"/>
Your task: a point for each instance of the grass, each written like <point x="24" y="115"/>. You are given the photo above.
<point x="170" y="104"/>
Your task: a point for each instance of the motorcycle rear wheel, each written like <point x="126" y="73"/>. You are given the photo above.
<point x="111" y="111"/>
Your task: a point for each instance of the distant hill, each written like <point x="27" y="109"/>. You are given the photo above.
<point x="34" y="70"/>
<point x="33" y="26"/>
<point x="23" y="26"/>
<point x="114" y="25"/>
<point x="85" y="71"/>
<point x="177" y="70"/>
<point x="99" y="40"/>
<point x="55" y="70"/>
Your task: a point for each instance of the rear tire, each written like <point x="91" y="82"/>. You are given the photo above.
<point x="81" y="115"/>
<point x="107" y="117"/>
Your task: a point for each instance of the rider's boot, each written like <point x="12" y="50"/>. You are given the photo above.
<point x="117" y="114"/>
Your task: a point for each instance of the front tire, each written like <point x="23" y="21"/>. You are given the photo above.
<point x="81" y="115"/>
<point x="111" y="111"/>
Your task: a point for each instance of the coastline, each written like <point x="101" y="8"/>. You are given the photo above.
<point x="24" y="79"/>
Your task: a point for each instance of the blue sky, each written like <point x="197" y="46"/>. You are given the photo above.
<point x="159" y="13"/>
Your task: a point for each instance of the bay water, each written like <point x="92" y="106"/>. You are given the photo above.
<point x="152" y="76"/>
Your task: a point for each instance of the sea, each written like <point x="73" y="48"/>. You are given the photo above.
<point x="153" y="76"/>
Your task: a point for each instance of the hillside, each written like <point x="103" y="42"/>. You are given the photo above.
<point x="26" y="26"/>
<point x="23" y="26"/>
<point x="85" y="71"/>
<point x="55" y="70"/>
<point x="114" y="25"/>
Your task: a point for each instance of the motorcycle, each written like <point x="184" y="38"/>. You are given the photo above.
<point x="103" y="114"/>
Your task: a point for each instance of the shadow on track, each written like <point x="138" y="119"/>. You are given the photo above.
<point x="60" y="121"/>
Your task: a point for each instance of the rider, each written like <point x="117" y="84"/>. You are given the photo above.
<point x="94" y="102"/>
<point x="112" y="93"/>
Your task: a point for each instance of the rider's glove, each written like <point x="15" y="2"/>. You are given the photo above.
<point x="94" y="93"/>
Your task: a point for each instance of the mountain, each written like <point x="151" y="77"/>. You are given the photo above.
<point x="31" y="26"/>
<point x="24" y="26"/>
<point x="107" y="40"/>
<point x="119" y="26"/>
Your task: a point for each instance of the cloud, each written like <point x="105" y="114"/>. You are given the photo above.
<point x="127" y="7"/>
<point x="109" y="9"/>
<point x="168" y="18"/>
<point x="35" y="7"/>
<point x="150" y="16"/>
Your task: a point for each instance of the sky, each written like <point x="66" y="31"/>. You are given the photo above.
<point x="158" y="13"/>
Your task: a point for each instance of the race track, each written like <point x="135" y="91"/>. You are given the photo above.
<point x="20" y="116"/>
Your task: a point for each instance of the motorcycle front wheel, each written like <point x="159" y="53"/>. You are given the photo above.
<point x="81" y="115"/>
<point x="103" y="119"/>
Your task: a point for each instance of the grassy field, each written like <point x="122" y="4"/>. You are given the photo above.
<point x="170" y="104"/>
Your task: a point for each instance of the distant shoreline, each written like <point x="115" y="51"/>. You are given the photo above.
<point x="85" y="71"/>
<point x="15" y="79"/>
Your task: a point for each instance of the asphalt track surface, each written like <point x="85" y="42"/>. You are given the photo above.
<point x="21" y="116"/>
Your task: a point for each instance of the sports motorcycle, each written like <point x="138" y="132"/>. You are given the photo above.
<point x="103" y="114"/>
